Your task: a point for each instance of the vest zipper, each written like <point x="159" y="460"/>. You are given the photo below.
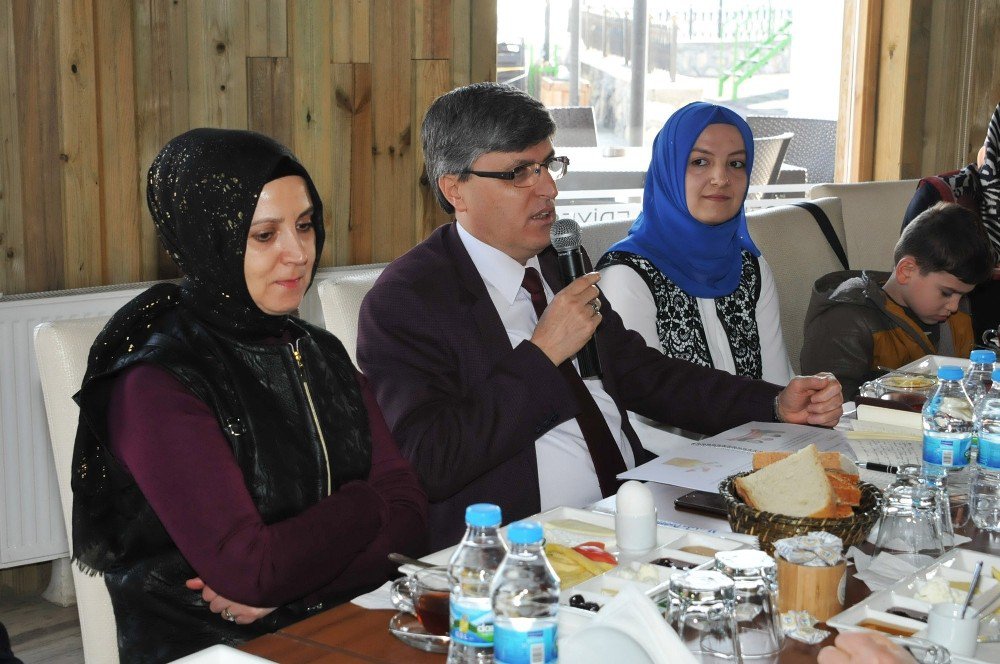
<point x="312" y="411"/>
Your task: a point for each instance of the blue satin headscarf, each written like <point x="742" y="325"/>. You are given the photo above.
<point x="705" y="261"/>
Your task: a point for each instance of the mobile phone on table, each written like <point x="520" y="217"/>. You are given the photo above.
<point x="702" y="501"/>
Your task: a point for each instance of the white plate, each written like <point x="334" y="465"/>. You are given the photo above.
<point x="955" y="566"/>
<point x="602" y="588"/>
<point x="929" y="364"/>
<point x="676" y="537"/>
<point x="221" y="655"/>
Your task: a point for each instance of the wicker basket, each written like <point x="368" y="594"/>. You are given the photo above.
<point x="770" y="527"/>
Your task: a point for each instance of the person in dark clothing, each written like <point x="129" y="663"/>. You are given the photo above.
<point x="976" y="187"/>
<point x="6" y="655"/>
<point x="232" y="471"/>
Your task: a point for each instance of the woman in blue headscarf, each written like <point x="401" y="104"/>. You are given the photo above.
<point x="688" y="277"/>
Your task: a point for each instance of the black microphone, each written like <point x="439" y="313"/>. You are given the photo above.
<point x="565" y="235"/>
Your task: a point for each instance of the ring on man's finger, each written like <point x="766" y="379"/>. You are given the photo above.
<point x="595" y="306"/>
<point x="228" y="615"/>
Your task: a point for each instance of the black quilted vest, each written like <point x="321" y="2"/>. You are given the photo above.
<point x="275" y="427"/>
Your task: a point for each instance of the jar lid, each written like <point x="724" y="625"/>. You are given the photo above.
<point x="702" y="586"/>
<point x="745" y="563"/>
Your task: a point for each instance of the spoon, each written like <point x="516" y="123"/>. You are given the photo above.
<point x="406" y="560"/>
<point x="972" y="586"/>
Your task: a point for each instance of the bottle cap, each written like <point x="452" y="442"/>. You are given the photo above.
<point x="982" y="357"/>
<point x="949" y="372"/>
<point x="524" y="532"/>
<point x="482" y="515"/>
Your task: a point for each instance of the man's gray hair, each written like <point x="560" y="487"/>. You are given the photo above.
<point x="470" y="121"/>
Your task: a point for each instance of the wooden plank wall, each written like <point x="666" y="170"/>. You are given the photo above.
<point x="924" y="86"/>
<point x="91" y="89"/>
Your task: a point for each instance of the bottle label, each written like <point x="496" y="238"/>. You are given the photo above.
<point x="989" y="451"/>
<point x="533" y="646"/>
<point x="472" y="621"/>
<point x="951" y="450"/>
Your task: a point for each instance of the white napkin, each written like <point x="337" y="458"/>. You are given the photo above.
<point x="882" y="571"/>
<point x="376" y="599"/>
<point x="638" y="621"/>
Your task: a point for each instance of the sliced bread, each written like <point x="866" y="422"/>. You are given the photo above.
<point x="795" y="486"/>
<point x="830" y="460"/>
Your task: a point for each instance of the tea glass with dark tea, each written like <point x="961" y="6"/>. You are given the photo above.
<point x="425" y="594"/>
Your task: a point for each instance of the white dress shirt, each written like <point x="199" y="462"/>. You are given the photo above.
<point x="566" y="474"/>
<point x="630" y="296"/>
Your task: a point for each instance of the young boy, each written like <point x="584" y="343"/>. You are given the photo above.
<point x="859" y="321"/>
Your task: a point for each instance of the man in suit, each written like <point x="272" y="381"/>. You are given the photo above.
<point x="471" y="354"/>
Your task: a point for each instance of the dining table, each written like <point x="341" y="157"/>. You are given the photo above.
<point x="349" y="633"/>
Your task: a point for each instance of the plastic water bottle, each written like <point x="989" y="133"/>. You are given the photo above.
<point x="979" y="377"/>
<point x="525" y="600"/>
<point x="947" y="423"/>
<point x="471" y="569"/>
<point x="986" y="475"/>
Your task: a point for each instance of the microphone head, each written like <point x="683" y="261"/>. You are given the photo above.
<point x="565" y="235"/>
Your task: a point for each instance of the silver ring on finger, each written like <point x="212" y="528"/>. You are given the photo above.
<point x="228" y="615"/>
<point x="595" y="306"/>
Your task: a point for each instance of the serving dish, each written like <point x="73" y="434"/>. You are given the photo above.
<point x="686" y="547"/>
<point x="929" y="364"/>
<point x="955" y="567"/>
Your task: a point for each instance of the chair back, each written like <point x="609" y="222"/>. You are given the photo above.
<point x="340" y="296"/>
<point x="597" y="236"/>
<point x="814" y="147"/>
<point x="797" y="251"/>
<point x="61" y="349"/>
<point x="575" y="127"/>
<point x="768" y="155"/>
<point x="873" y="218"/>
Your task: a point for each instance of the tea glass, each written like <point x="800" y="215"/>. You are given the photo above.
<point x="756" y="600"/>
<point x="916" y="519"/>
<point x="426" y="595"/>
<point x="702" y="611"/>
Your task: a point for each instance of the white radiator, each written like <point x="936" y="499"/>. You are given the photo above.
<point x="31" y="524"/>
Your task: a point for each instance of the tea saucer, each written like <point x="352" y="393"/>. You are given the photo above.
<point x="405" y="627"/>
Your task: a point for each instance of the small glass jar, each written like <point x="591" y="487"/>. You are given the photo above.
<point x="701" y="611"/>
<point x="754" y="575"/>
<point x="910" y="390"/>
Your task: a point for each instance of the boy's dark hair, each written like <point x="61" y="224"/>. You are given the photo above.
<point x="947" y="238"/>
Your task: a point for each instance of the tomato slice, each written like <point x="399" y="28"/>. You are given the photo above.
<point x="595" y="551"/>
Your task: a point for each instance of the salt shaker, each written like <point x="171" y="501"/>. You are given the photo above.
<point x="635" y="519"/>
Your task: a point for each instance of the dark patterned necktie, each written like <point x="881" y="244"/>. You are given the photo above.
<point x="601" y="444"/>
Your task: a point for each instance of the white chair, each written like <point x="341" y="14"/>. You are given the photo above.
<point x="873" y="217"/>
<point x="798" y="253"/>
<point x="340" y="296"/>
<point x="61" y="348"/>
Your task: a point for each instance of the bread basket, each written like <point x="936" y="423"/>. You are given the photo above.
<point x="770" y="527"/>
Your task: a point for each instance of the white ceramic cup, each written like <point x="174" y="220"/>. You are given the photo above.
<point x="946" y="628"/>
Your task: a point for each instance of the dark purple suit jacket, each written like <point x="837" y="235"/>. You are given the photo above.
<point x="466" y="408"/>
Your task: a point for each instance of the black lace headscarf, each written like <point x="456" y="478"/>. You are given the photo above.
<point x="202" y="192"/>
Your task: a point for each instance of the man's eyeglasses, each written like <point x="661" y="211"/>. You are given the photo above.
<point x="527" y="175"/>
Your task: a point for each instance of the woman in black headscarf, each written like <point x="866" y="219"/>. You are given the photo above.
<point x="224" y="445"/>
